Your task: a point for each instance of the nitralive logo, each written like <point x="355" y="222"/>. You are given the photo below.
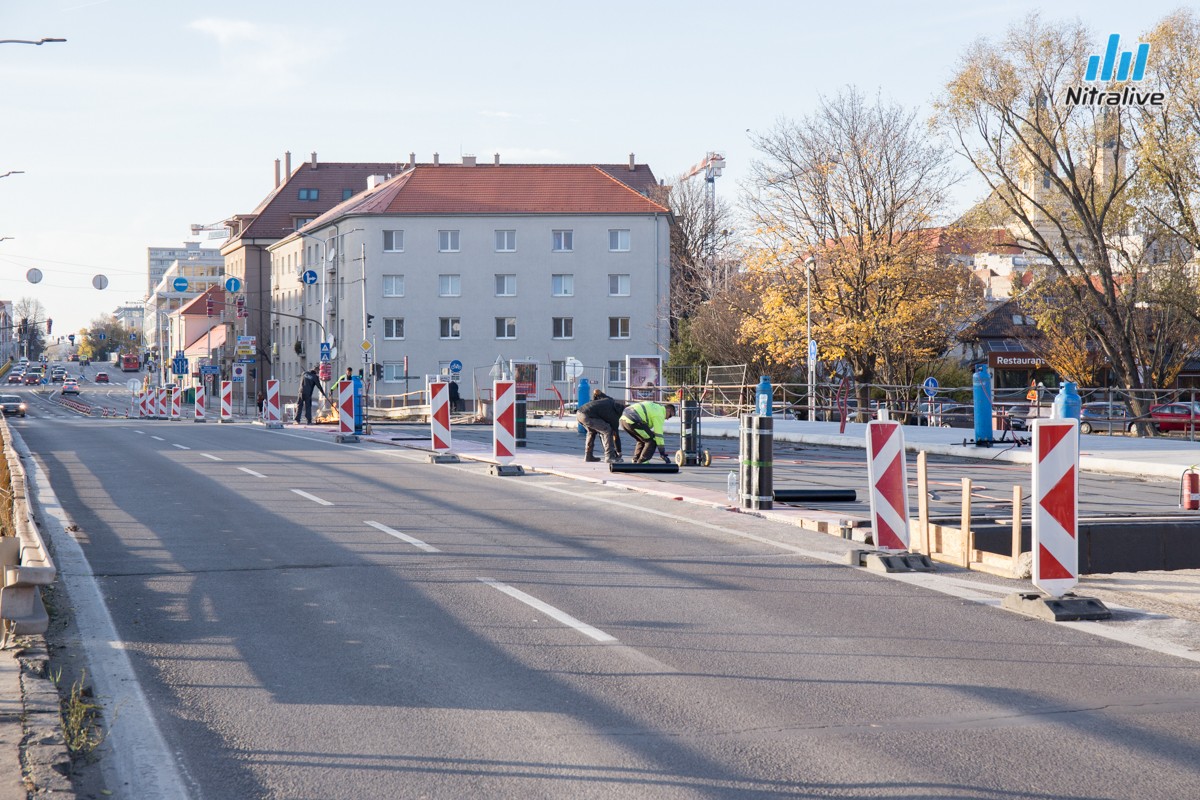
<point x="1127" y="66"/>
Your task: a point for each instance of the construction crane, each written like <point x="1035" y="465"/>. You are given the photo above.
<point x="711" y="166"/>
<point x="215" y="230"/>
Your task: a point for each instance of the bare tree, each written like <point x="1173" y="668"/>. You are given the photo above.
<point x="30" y="316"/>
<point x="1071" y="190"/>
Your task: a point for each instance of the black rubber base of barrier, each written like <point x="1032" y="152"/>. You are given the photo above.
<point x="1068" y="608"/>
<point x="882" y="561"/>
<point x="506" y="470"/>
<point x="649" y="466"/>
<point x="815" y="495"/>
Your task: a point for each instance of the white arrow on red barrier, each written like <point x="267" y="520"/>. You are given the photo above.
<point x="1055" y="505"/>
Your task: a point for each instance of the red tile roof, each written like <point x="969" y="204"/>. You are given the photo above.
<point x="197" y="306"/>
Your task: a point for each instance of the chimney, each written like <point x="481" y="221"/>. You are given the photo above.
<point x="314" y="160"/>
<point x="375" y="180"/>
<point x="287" y="163"/>
<point x="412" y="159"/>
<point x="435" y="159"/>
<point x="496" y="159"/>
<point x="277" y="173"/>
<point x="632" y="165"/>
<point x="468" y="161"/>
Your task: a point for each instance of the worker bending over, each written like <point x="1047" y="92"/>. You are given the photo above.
<point x="602" y="416"/>
<point x="644" y="422"/>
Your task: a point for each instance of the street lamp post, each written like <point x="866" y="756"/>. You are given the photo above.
<point x="810" y="264"/>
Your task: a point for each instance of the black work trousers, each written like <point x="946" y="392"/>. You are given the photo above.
<point x="594" y="426"/>
<point x="643" y="438"/>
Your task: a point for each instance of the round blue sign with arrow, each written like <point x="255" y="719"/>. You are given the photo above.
<point x="233" y="285"/>
<point x="180" y="284"/>
<point x="309" y="277"/>
<point x="931" y="385"/>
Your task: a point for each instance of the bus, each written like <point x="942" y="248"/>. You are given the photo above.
<point x="130" y="362"/>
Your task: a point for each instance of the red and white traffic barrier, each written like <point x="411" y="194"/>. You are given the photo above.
<point x="274" y="418"/>
<point x="199" y="403"/>
<point x="345" y="405"/>
<point x="439" y="416"/>
<point x="887" y="474"/>
<point x="504" y="425"/>
<point x="1055" y="505"/>
<point x="143" y="404"/>
<point x="176" y="404"/>
<point x="226" y="401"/>
<point x="160" y="401"/>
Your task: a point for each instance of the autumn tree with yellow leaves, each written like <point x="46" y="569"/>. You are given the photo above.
<point x="860" y="189"/>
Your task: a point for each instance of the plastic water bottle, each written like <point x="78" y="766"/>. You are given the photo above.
<point x="731" y="488"/>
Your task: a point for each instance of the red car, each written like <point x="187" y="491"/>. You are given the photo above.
<point x="1175" y="416"/>
<point x="33" y="379"/>
<point x="101" y="377"/>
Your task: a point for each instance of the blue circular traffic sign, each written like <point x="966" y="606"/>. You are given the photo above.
<point x="456" y="366"/>
<point x="931" y="385"/>
<point x="309" y="277"/>
<point x="180" y="284"/>
<point x="233" y="285"/>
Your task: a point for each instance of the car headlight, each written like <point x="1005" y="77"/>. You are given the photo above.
<point x="22" y="406"/>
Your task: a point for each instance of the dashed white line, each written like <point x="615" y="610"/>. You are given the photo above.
<point x="180" y="446"/>
<point x="312" y="497"/>
<point x="159" y="438"/>
<point x="428" y="548"/>
<point x="252" y="472"/>
<point x="140" y="433"/>
<point x="550" y="611"/>
<point x="214" y="458"/>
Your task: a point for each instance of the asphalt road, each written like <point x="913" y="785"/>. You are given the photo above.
<point x="309" y="620"/>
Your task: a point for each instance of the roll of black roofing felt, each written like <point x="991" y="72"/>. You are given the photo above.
<point x="815" y="495"/>
<point x="649" y="466"/>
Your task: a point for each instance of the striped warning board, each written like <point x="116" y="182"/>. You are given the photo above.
<point x="199" y="403"/>
<point x="163" y="401"/>
<point x="274" y="418"/>
<point x="226" y="401"/>
<point x="345" y="402"/>
<point x="176" y="404"/>
<point x="887" y="474"/>
<point x="1055" y="505"/>
<point x="504" y="425"/>
<point x="439" y="415"/>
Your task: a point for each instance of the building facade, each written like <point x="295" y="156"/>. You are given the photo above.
<point x="473" y="264"/>
<point x="160" y="259"/>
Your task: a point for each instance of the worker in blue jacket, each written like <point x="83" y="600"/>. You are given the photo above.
<point x="644" y="421"/>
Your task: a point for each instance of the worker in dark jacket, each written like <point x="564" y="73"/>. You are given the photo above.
<point x="602" y="416"/>
<point x="644" y="421"/>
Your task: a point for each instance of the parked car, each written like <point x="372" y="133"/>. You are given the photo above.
<point x="959" y="416"/>
<point x="1175" y="416"/>
<point x="101" y="377"/>
<point x="70" y="386"/>
<point x="11" y="404"/>
<point x="1105" y="416"/>
<point x="1017" y="416"/>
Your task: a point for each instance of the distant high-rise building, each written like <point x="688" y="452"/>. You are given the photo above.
<point x="160" y="259"/>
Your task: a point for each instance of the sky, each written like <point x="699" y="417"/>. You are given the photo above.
<point x="156" y="115"/>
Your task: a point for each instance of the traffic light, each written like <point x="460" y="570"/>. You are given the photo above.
<point x="241" y="307"/>
<point x="208" y="306"/>
<point x="377" y="370"/>
<point x="370" y="319"/>
<point x="49" y="325"/>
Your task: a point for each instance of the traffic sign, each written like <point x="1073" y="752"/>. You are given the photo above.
<point x="233" y="285"/>
<point x="133" y="337"/>
<point x="180" y="284"/>
<point x="101" y="336"/>
<point x="325" y="351"/>
<point x="210" y="369"/>
<point x="133" y="384"/>
<point x="238" y="373"/>
<point x="179" y="366"/>
<point x="931" y="385"/>
<point x="812" y="349"/>
<point x="573" y="368"/>
<point x="456" y="366"/>
<point x="365" y="345"/>
<point x="71" y="338"/>
<point x="309" y="277"/>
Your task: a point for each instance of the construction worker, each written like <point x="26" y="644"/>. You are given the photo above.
<point x="644" y="422"/>
<point x="601" y="416"/>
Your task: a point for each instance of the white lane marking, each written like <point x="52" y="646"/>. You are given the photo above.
<point x="312" y="497"/>
<point x="214" y="458"/>
<point x="428" y="548"/>
<point x="140" y="756"/>
<point x="159" y="438"/>
<point x="140" y="433"/>
<point x="550" y="611"/>
<point x="252" y="472"/>
<point x="181" y="447"/>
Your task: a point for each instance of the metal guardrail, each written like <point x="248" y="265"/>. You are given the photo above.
<point x="24" y="558"/>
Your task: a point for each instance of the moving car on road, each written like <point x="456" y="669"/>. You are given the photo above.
<point x="70" y="386"/>
<point x="33" y="378"/>
<point x="11" y="404"/>
<point x="101" y="377"/>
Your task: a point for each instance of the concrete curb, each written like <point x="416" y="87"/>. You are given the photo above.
<point x="46" y="761"/>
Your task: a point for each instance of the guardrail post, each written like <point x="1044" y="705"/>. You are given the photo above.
<point x="966" y="523"/>
<point x="1016" y="528"/>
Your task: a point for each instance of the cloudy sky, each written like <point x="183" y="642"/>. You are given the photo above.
<point x="155" y="115"/>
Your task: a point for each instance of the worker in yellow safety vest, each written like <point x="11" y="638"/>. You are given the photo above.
<point x="644" y="421"/>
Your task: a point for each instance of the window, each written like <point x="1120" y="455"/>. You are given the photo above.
<point x="563" y="327"/>
<point x="616" y="372"/>
<point x="618" y="286"/>
<point x="448" y="241"/>
<point x="506" y="285"/>
<point x="506" y="327"/>
<point x="564" y="241"/>
<point x="393" y="241"/>
<point x="300" y="222"/>
<point x="309" y="194"/>
<point x="449" y="328"/>
<point x="562" y="285"/>
<point x="558" y="370"/>
<point x="393" y="286"/>
<point x="393" y="328"/>
<point x="618" y="241"/>
<point x="449" y="285"/>
<point x="618" y="327"/>
<point x="347" y="194"/>
<point x="506" y="241"/>
<point x="393" y="371"/>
